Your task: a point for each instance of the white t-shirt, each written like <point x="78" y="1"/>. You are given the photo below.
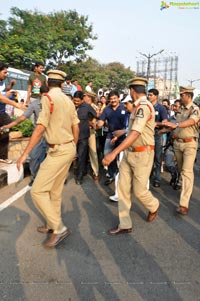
<point x="88" y="88"/>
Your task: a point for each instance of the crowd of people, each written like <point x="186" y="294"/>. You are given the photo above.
<point x="130" y="135"/>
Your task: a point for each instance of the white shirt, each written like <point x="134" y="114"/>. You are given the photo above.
<point x="88" y="88"/>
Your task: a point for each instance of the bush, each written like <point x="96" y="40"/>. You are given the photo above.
<point x="26" y="127"/>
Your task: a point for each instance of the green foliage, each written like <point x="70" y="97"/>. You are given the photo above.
<point x="26" y="127"/>
<point x="197" y="100"/>
<point x="60" y="40"/>
<point x="54" y="38"/>
<point x="108" y="76"/>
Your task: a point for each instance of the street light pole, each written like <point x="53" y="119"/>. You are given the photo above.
<point x="191" y="81"/>
<point x="149" y="57"/>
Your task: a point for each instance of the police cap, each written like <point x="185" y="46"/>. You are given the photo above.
<point x="138" y="81"/>
<point x="90" y="94"/>
<point x="56" y="74"/>
<point x="186" y="89"/>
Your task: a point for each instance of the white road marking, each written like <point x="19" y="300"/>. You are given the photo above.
<point x="13" y="198"/>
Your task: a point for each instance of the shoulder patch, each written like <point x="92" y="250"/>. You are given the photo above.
<point x="195" y="112"/>
<point x="140" y="113"/>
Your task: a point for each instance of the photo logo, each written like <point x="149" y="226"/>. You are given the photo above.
<point x="180" y="5"/>
<point x="164" y="5"/>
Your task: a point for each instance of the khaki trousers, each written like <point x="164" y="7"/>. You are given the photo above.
<point x="47" y="188"/>
<point x="134" y="173"/>
<point x="185" y="155"/>
<point x="93" y="152"/>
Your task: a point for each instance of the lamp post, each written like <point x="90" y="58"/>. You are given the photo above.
<point x="149" y="57"/>
<point x="191" y="81"/>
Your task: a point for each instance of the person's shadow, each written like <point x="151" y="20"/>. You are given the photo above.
<point x="13" y="222"/>
<point x="140" y="273"/>
<point x="82" y="266"/>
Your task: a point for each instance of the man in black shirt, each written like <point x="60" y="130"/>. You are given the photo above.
<point x="85" y="114"/>
<point x="160" y="115"/>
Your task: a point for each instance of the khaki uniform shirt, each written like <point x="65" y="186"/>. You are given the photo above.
<point x="142" y="120"/>
<point x="59" y="123"/>
<point x="188" y="112"/>
<point x="93" y="122"/>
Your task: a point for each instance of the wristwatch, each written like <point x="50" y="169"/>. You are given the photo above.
<point x="177" y="124"/>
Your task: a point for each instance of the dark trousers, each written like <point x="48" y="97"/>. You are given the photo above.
<point x="4" y="138"/>
<point x="112" y="168"/>
<point x="37" y="156"/>
<point x="82" y="154"/>
<point x="100" y="142"/>
<point x="157" y="158"/>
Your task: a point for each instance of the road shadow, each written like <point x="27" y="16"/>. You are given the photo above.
<point x="82" y="266"/>
<point x="138" y="268"/>
<point x="13" y="222"/>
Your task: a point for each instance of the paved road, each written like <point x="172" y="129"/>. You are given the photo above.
<point x="158" y="261"/>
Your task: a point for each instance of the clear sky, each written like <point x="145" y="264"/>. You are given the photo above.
<point x="125" y="28"/>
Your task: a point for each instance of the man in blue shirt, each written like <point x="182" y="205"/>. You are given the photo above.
<point x="38" y="153"/>
<point x="160" y="115"/>
<point x="5" y="94"/>
<point x="115" y="115"/>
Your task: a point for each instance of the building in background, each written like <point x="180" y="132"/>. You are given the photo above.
<point x="162" y="73"/>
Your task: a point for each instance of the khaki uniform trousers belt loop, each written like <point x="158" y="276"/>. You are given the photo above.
<point x="53" y="145"/>
<point x="186" y="139"/>
<point x="143" y="148"/>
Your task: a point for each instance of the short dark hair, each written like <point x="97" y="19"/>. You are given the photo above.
<point x="44" y="89"/>
<point x="167" y="100"/>
<point x="39" y="63"/>
<point x="68" y="77"/>
<point x="3" y="66"/>
<point x="113" y="93"/>
<point x="177" y="100"/>
<point x="154" y="91"/>
<point x="78" y="94"/>
<point x="138" y="89"/>
<point x="55" y="82"/>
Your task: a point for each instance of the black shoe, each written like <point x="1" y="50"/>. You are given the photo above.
<point x="31" y="183"/>
<point x="109" y="181"/>
<point x="177" y="186"/>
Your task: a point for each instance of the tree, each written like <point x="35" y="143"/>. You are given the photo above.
<point x="118" y="75"/>
<point x="108" y="76"/>
<point x="197" y="100"/>
<point x="61" y="40"/>
<point x="53" y="38"/>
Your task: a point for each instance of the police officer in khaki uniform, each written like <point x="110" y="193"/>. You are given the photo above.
<point x="89" y="98"/>
<point x="59" y="122"/>
<point x="136" y="165"/>
<point x="186" y="144"/>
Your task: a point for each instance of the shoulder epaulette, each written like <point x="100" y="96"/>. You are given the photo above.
<point x="50" y="101"/>
<point x="143" y="102"/>
<point x="195" y="106"/>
